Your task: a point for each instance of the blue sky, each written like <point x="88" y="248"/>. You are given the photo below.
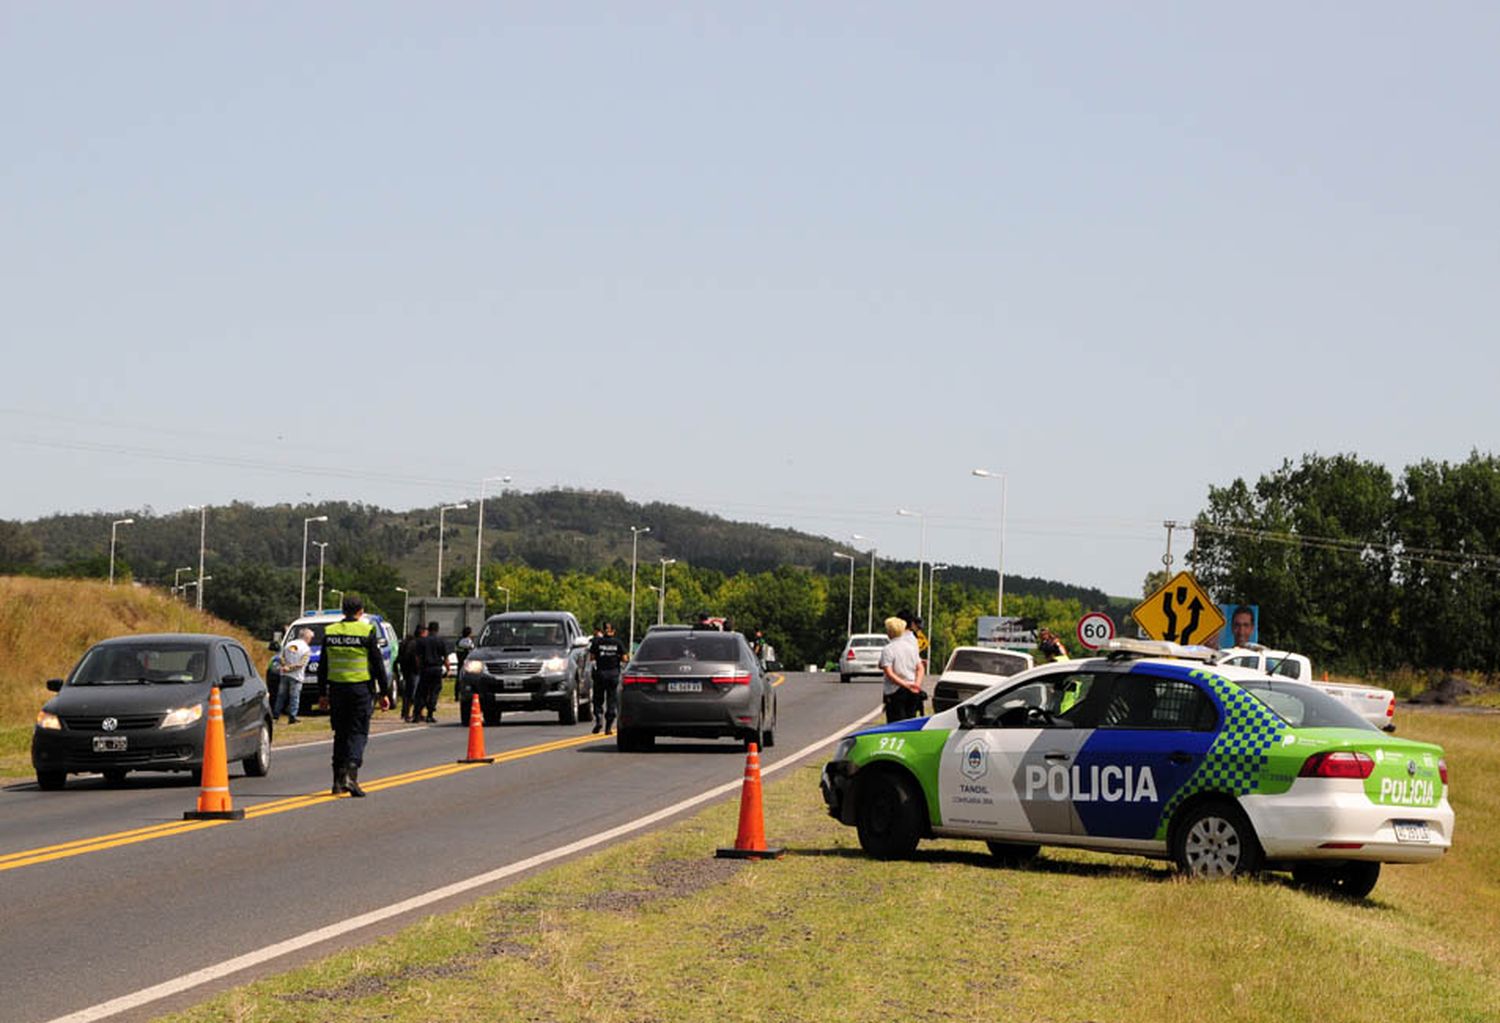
<point x="799" y="264"/>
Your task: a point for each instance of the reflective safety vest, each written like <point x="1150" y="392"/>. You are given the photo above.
<point x="346" y="645"/>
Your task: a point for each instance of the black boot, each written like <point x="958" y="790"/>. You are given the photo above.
<point x="353" y="783"/>
<point x="340" y="781"/>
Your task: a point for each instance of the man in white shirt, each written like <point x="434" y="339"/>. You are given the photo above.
<point x="294" y="658"/>
<point x="901" y="664"/>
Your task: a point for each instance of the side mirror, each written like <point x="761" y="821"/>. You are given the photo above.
<point x="54" y="685"/>
<point x="231" y="681"/>
<point x="968" y="715"/>
<point x="580" y="641"/>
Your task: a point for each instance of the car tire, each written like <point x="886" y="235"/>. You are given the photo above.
<point x="464" y="709"/>
<point x="1215" y="839"/>
<point x="634" y="740"/>
<point x="258" y="763"/>
<point x="888" y="817"/>
<point x="489" y="709"/>
<point x="569" y="714"/>
<point x="114" y="776"/>
<point x="843" y="677"/>
<point x="1013" y="854"/>
<point x="51" y="781"/>
<point x="1347" y="879"/>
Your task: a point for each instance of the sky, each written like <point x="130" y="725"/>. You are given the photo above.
<point x="802" y="264"/>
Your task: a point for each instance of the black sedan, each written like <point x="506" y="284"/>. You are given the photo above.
<point x="698" y="684"/>
<point x="140" y="703"/>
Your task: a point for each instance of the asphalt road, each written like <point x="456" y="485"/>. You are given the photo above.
<point x="106" y="891"/>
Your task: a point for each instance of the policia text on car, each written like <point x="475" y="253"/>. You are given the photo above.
<point x="351" y="673"/>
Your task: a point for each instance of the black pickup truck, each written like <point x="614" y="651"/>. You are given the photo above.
<point x="528" y="660"/>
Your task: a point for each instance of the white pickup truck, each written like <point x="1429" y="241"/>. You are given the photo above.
<point x="1375" y="705"/>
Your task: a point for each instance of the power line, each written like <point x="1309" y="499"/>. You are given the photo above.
<point x="1421" y="555"/>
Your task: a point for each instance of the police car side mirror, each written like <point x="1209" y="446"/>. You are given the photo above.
<point x="968" y="715"/>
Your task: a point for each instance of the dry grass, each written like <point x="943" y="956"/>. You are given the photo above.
<point x="655" y="929"/>
<point x="47" y="624"/>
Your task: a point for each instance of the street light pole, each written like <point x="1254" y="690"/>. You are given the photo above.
<point x="405" y="600"/>
<point x="932" y="610"/>
<point x="849" y="618"/>
<point x="479" y="536"/>
<point x="661" y="594"/>
<point x="635" y="539"/>
<point x="921" y="551"/>
<point x="202" y="510"/>
<point x="302" y="600"/>
<point x="870" y="611"/>
<point x="1000" y="576"/>
<point x="506" y="589"/>
<point x="445" y="509"/>
<point x="177" y="588"/>
<point x="331" y="592"/>
<point x="322" y="546"/>
<point x="116" y="524"/>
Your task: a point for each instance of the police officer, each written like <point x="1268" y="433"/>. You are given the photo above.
<point x="606" y="653"/>
<point x="351" y="673"/>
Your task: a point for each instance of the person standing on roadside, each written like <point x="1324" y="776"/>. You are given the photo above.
<point x="293" y="669"/>
<point x="410" y="662"/>
<point x="351" y="674"/>
<point x="901" y="664"/>
<point x="1050" y="646"/>
<point x="606" y="653"/>
<point x="433" y="656"/>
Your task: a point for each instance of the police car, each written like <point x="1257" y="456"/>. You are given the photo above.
<point x="1155" y="751"/>
<point x="318" y="622"/>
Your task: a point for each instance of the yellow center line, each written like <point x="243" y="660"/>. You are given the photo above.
<point x="99" y="843"/>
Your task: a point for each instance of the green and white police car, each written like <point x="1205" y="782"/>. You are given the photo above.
<point x="1152" y="750"/>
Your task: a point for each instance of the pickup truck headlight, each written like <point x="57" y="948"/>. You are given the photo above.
<point x="48" y="720"/>
<point x="473" y="667"/>
<point x="555" y="665"/>
<point x="182" y="716"/>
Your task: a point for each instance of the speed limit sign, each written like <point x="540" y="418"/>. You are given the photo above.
<point x="1095" y="629"/>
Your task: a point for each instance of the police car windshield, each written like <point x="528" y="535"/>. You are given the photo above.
<point x="1302" y="706"/>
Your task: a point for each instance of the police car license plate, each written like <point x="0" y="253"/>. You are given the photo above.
<point x="1411" y="831"/>
<point x="684" y="687"/>
<point x="109" y="743"/>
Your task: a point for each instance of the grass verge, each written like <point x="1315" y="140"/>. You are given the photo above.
<point x="655" y="929"/>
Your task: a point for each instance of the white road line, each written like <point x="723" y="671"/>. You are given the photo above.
<point x="228" y="967"/>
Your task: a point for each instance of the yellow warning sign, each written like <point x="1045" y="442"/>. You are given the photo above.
<point x="1180" y="612"/>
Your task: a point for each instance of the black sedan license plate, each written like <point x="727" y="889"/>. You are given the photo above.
<point x="685" y="687"/>
<point x="109" y="743"/>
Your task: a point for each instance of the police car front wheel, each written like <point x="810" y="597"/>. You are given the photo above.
<point x="889" y="816"/>
<point x="1216" y="840"/>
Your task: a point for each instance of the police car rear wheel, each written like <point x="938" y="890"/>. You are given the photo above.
<point x="1350" y="879"/>
<point x="1013" y="854"/>
<point x="1216" y="840"/>
<point x="889" y="817"/>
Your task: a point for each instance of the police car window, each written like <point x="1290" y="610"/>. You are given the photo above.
<point x="1140" y="701"/>
<point x="1248" y="661"/>
<point x="1063" y="700"/>
<point x="1302" y="706"/>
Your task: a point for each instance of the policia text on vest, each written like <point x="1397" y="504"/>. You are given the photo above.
<point x="351" y="673"/>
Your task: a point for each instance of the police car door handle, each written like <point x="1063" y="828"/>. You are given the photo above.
<point x="1179" y="757"/>
<point x="1054" y="756"/>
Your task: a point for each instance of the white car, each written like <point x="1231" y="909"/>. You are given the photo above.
<point x="861" y="655"/>
<point x="973" y="669"/>
<point x="1374" y="704"/>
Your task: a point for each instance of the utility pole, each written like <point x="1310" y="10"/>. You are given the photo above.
<point x="1166" y="559"/>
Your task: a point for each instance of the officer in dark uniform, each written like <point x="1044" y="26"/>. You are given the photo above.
<point x="606" y="654"/>
<point x="351" y="673"/>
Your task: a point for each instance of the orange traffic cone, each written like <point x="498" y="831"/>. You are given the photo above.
<point x="476" y="754"/>
<point x="750" y="843"/>
<point x="213" y="796"/>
